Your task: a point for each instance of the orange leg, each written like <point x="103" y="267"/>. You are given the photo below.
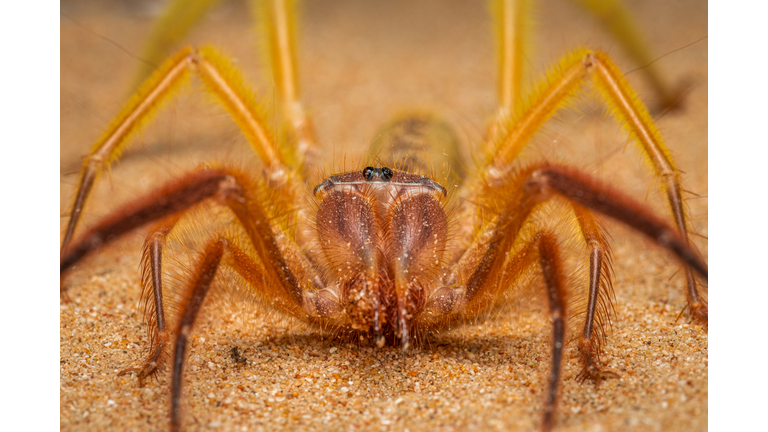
<point x="287" y="269"/>
<point x="544" y="250"/>
<point x="617" y="20"/>
<point x="460" y="303"/>
<point x="217" y="253"/>
<point x="486" y="269"/>
<point x="552" y="269"/>
<point x="200" y="286"/>
<point x="525" y="190"/>
<point x="280" y="275"/>
<point x="580" y="188"/>
<point x="279" y="20"/>
<point x="154" y="307"/>
<point x="277" y="27"/>
<point x="599" y="298"/>
<point x="168" y="200"/>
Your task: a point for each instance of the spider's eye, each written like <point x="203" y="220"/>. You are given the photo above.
<point x="368" y="173"/>
<point x="386" y="174"/>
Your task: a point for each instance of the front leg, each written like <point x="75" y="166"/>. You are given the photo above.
<point x="197" y="292"/>
<point x="599" y="301"/>
<point x="466" y="300"/>
<point x="488" y="269"/>
<point x="152" y="299"/>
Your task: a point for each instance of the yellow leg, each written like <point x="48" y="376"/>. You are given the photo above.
<point x="221" y="79"/>
<point x="277" y="26"/>
<point x="617" y="20"/>
<point x="512" y="22"/>
<point x="175" y="22"/>
<point x="278" y="19"/>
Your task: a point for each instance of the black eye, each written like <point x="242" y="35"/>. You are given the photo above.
<point x="368" y="173"/>
<point x="386" y="174"/>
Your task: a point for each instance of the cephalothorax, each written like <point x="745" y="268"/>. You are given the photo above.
<point x="383" y="233"/>
<point x="384" y="254"/>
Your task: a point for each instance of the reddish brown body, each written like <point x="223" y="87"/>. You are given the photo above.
<point x="383" y="234"/>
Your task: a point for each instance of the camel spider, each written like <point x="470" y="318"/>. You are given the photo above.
<point x="456" y="211"/>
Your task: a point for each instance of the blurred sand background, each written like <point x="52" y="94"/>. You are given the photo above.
<point x="360" y="63"/>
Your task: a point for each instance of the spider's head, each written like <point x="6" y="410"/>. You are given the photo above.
<point x="383" y="234"/>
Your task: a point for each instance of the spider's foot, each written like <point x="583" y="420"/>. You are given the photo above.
<point x="152" y="364"/>
<point x="64" y="297"/>
<point x="700" y="314"/>
<point x="596" y="375"/>
<point x="590" y="371"/>
<point x="590" y="363"/>
<point x="148" y="369"/>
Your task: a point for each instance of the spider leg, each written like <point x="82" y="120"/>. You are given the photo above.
<point x="197" y="292"/>
<point x="476" y="268"/>
<point x="486" y="270"/>
<point x="278" y="18"/>
<point x="554" y="92"/>
<point x="154" y="309"/>
<point x="616" y="18"/>
<point x="513" y="22"/>
<point x="172" y="198"/>
<point x="287" y="268"/>
<point x="175" y="21"/>
<point x="219" y="251"/>
<point x="277" y="26"/>
<point x="221" y="79"/>
<point x="599" y="297"/>
<point x="282" y="276"/>
<point x="542" y="249"/>
<point x="551" y="267"/>
<point x="526" y="189"/>
<point x="577" y="187"/>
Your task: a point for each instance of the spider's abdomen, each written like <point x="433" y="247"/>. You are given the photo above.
<point x="383" y="236"/>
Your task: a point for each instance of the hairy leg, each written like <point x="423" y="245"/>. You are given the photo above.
<point x="222" y="80"/>
<point x="555" y="91"/>
<point x="197" y="291"/>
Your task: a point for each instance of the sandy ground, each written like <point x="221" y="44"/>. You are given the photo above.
<point x="361" y="63"/>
